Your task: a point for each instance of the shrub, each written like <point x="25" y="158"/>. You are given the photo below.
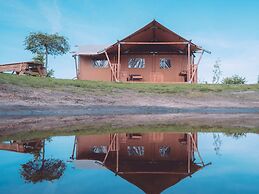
<point x="235" y="79"/>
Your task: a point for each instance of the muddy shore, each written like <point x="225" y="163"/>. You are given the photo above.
<point x="43" y="109"/>
<point x="27" y="96"/>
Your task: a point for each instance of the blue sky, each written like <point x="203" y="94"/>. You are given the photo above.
<point x="229" y="28"/>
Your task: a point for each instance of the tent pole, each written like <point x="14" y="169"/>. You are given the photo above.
<point x="196" y="67"/>
<point x="117" y="155"/>
<point x="189" y="154"/>
<point x="109" y="148"/>
<point x="156" y="43"/>
<point x="119" y="61"/>
<point x="76" y="65"/>
<point x="111" y="66"/>
<point x="189" y="62"/>
<point x="196" y="147"/>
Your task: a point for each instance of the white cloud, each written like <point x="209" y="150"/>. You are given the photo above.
<point x="51" y="12"/>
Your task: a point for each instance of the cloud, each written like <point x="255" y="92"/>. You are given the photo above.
<point x="51" y="12"/>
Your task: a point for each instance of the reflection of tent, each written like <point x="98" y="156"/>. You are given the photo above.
<point x="154" y="183"/>
<point x="150" y="169"/>
<point x="88" y="164"/>
<point x="150" y="180"/>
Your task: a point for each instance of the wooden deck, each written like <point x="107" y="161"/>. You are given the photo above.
<point x="24" y="68"/>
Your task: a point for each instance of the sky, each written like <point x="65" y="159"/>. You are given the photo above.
<point x="228" y="28"/>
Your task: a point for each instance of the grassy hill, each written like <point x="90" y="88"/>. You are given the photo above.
<point x="80" y="85"/>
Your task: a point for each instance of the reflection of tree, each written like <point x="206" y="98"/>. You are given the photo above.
<point x="38" y="171"/>
<point x="236" y="135"/>
<point x="33" y="147"/>
<point x="41" y="169"/>
<point x="217" y="143"/>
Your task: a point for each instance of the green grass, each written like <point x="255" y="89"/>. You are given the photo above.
<point x="88" y="130"/>
<point x="81" y="86"/>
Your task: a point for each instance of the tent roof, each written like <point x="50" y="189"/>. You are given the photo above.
<point x="90" y="49"/>
<point x="152" y="32"/>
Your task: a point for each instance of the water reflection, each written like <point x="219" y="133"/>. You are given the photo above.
<point x="152" y="161"/>
<point x="141" y="162"/>
<point x="217" y="142"/>
<point x="40" y="168"/>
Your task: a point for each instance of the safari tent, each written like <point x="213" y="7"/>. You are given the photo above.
<point x="151" y="54"/>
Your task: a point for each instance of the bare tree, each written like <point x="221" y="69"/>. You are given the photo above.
<point x="216" y="72"/>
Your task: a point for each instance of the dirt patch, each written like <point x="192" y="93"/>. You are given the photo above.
<point x="12" y="126"/>
<point x="19" y="111"/>
<point x="26" y="96"/>
<point x="25" y="108"/>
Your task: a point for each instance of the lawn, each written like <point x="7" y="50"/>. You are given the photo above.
<point x="80" y="85"/>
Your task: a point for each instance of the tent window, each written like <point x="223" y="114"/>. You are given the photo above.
<point x="136" y="150"/>
<point x="99" y="149"/>
<point x="164" y="151"/>
<point x="165" y="63"/>
<point x="100" y="63"/>
<point x="136" y="63"/>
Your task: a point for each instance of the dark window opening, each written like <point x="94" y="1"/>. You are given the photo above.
<point x="165" y="63"/>
<point x="136" y="150"/>
<point x="100" y="63"/>
<point x="164" y="151"/>
<point x="99" y="149"/>
<point x="136" y="63"/>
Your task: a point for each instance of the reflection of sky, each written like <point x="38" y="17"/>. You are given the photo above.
<point x="235" y="170"/>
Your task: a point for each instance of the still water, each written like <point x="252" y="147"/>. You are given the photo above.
<point x="131" y="163"/>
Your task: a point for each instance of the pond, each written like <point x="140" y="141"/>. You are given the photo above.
<point x="155" y="162"/>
